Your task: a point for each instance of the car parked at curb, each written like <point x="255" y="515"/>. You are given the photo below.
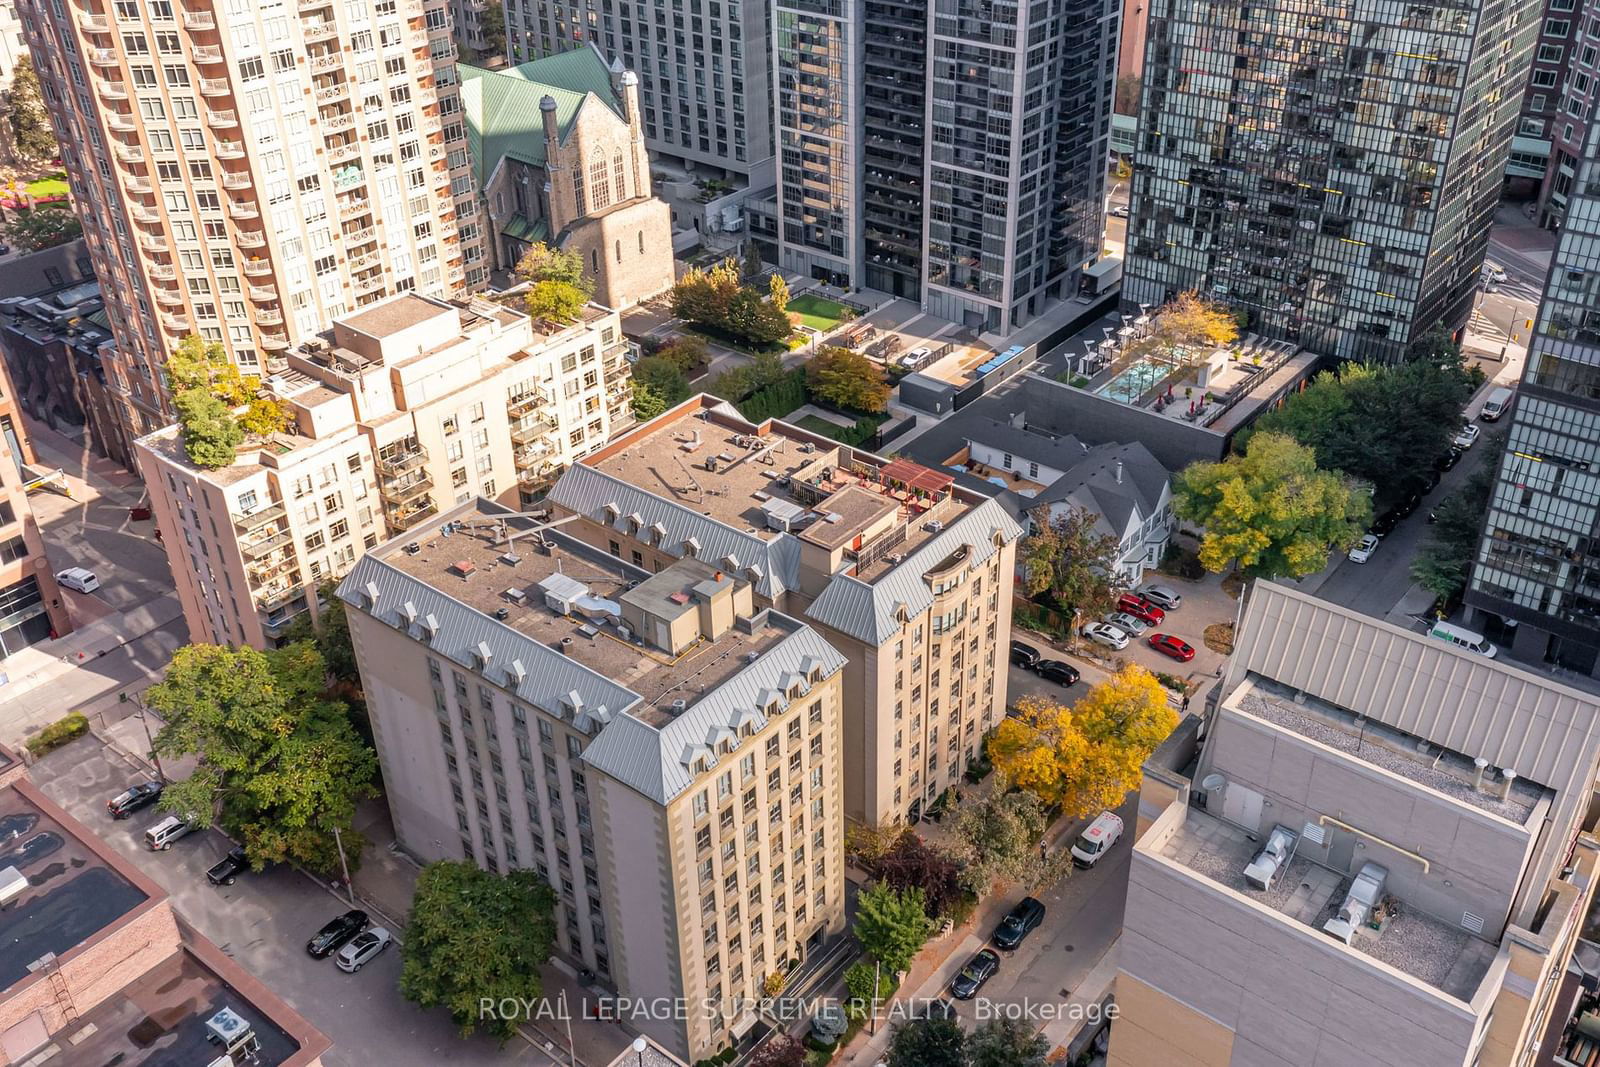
<point x="1053" y="670"/>
<point x="1176" y="647"/>
<point x="1018" y="924"/>
<point x="1468" y="435"/>
<point x="131" y="799"/>
<point x="1105" y="634"/>
<point x="1446" y="462"/>
<point x="336" y="933"/>
<point x="979" y="969"/>
<point x="1364" y="549"/>
<point x="229" y="867"/>
<point x="1164" y="596"/>
<point x="361" y="948"/>
<point x="1024" y="656"/>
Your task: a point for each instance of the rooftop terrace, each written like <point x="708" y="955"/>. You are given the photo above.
<point x="1437" y="953"/>
<point x="476" y="566"/>
<point x="71" y="894"/>
<point x="1393" y="750"/>
<point x="783" y="478"/>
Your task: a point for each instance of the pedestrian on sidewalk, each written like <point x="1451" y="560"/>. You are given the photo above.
<point x="1186" y="703"/>
<point x="1043" y="852"/>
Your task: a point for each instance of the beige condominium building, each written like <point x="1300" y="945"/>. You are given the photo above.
<point x="905" y="573"/>
<point x="663" y="747"/>
<point x="250" y="173"/>
<point x="401" y="411"/>
<point x="1380" y="853"/>
<point x="31" y="605"/>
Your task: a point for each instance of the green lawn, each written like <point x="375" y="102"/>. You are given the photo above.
<point x="54" y="185"/>
<point x="817" y="312"/>
<point x="823" y="426"/>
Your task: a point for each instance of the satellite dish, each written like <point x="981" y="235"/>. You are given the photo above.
<point x="1212" y="783"/>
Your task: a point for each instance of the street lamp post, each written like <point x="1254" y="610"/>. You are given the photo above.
<point x="138" y="702"/>
<point x="349" y="890"/>
<point x="639" y="1045"/>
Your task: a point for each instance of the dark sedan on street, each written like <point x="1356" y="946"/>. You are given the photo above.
<point x="336" y="933"/>
<point x="133" y="798"/>
<point x="978" y="970"/>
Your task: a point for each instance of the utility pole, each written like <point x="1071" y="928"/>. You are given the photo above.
<point x="349" y="890"/>
<point x="138" y="702"/>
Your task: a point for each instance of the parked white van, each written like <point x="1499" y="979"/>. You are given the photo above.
<point x="1498" y="404"/>
<point x="1472" y="642"/>
<point x="1097" y="839"/>
<point x="160" y="837"/>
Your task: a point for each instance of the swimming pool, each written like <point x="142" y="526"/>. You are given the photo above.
<point x="1132" y="383"/>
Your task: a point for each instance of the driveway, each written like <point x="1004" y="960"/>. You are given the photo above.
<point x="263" y="921"/>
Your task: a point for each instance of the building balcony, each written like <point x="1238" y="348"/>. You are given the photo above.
<point x="406" y="516"/>
<point x="336" y="91"/>
<point x="364" y="261"/>
<point x="327" y="62"/>
<point x="169" y="297"/>
<point x="222" y="120"/>
<point x="230" y="149"/>
<point x="112" y="90"/>
<point x="361" y="236"/>
<point x="206" y="53"/>
<point x="319" y="29"/>
<point x="398" y="463"/>
<point x="152" y="243"/>
<point x="239" y="209"/>
<point x="214" y="87"/>
<point x="345" y="152"/>
<point x="163" y="271"/>
<point x="127" y="153"/>
<point x="199" y="20"/>
<point x="343" y="120"/>
<point x="274" y="341"/>
<point x="349" y="209"/>
<point x="276" y="364"/>
<point x="527" y="403"/>
<point x="540" y="476"/>
<point x="175" y="323"/>
<point x="103" y="57"/>
<point x="94" y="23"/>
<point x="405" y="490"/>
<point x="257" y="268"/>
<point x="260" y="517"/>
<point x="234" y="179"/>
<point x="531" y="430"/>
<point x="120" y="121"/>
<point x="259" y="550"/>
<point x="269" y="317"/>
<point x="315" y="5"/>
<point x="251" y="239"/>
<point x="136" y="184"/>
<point x="262" y="292"/>
<point x="368" y="285"/>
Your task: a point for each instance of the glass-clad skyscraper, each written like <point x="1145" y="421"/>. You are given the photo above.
<point x="1536" y="583"/>
<point x="1331" y="171"/>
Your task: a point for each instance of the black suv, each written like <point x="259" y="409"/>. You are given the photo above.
<point x="1024" y="655"/>
<point x="1055" y="671"/>
<point x="1016" y="926"/>
<point x="336" y="933"/>
<point x="229" y="867"/>
<point x="133" y="798"/>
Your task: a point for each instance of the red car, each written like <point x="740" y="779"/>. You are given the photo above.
<point x="1141" y="609"/>
<point x="1177" y="648"/>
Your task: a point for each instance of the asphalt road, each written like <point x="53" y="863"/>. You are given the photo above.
<point x="263" y="922"/>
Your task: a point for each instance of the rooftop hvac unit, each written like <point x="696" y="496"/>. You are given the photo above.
<point x="1358" y="902"/>
<point x="1272" y="858"/>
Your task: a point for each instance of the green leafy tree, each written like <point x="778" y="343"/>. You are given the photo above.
<point x="716" y="298"/>
<point x="46" y="226"/>
<point x="476" y="935"/>
<point x="752" y="258"/>
<point x="31" y="131"/>
<point x="1444" y="561"/>
<point x="647" y="402"/>
<point x="278" y="764"/>
<point x="663" y="378"/>
<point x="1065" y="556"/>
<point x="1270" y="510"/>
<point x="858" y="985"/>
<point x="542" y="263"/>
<point x="892" y="925"/>
<point x="847" y="380"/>
<point x="928" y="1042"/>
<point x="329" y="632"/>
<point x="198" y="364"/>
<point x="997" y="838"/>
<point x="686" y="352"/>
<point x="914" y="864"/>
<point x="756" y="320"/>
<point x="1006" y="1042"/>
<point x="555" y="301"/>
<point x="492" y="22"/>
<point x="211" y="435"/>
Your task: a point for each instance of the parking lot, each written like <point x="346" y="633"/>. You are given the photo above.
<point x="263" y="921"/>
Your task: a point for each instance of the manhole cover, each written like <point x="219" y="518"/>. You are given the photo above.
<point x="1067" y="948"/>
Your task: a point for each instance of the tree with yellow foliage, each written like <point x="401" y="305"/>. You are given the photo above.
<point x="1188" y="321"/>
<point x="1085" y="758"/>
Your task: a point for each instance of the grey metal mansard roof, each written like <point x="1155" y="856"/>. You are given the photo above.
<point x="870" y="611"/>
<point x="658" y="762"/>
